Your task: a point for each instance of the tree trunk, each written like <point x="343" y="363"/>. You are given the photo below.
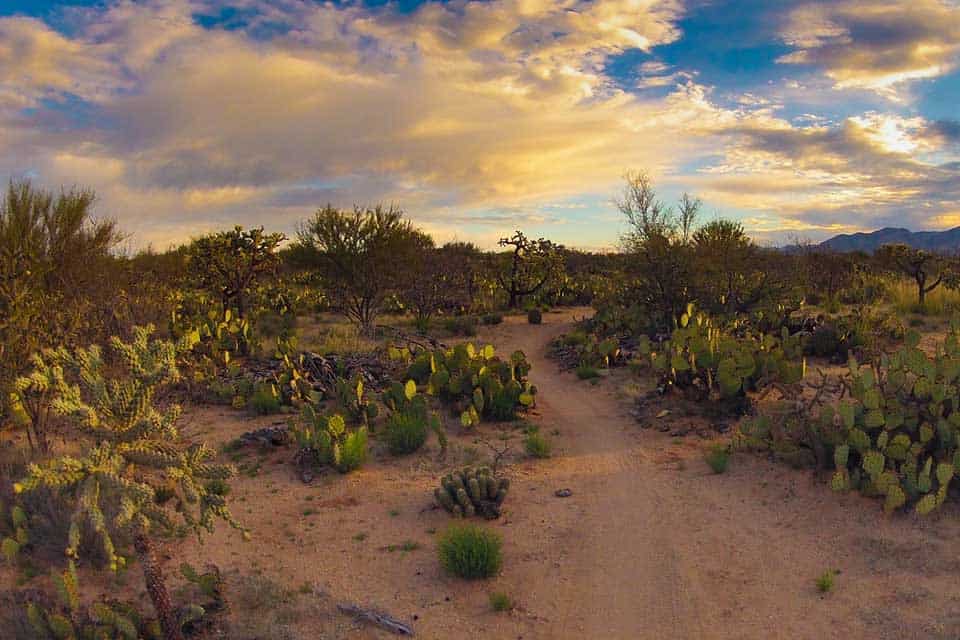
<point x="921" y="289"/>
<point x="157" y="588"/>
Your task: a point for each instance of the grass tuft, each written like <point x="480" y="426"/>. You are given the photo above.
<point x="470" y="551"/>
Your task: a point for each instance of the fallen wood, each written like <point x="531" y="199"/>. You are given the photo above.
<point x="382" y="620"/>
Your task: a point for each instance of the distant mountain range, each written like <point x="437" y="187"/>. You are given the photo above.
<point x="939" y="241"/>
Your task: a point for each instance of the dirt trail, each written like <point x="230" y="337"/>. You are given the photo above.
<point x="661" y="548"/>
<point x="651" y="545"/>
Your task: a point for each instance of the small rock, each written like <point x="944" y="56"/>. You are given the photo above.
<point x="663" y="428"/>
<point x="563" y="493"/>
<point x="679" y="433"/>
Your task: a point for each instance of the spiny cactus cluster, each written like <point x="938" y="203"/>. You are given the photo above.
<point x="476" y="382"/>
<point x="17" y="526"/>
<point x="350" y="395"/>
<point x="716" y="365"/>
<point x="470" y="492"/>
<point x="899" y="435"/>
<point x="106" y="620"/>
<point x="326" y="440"/>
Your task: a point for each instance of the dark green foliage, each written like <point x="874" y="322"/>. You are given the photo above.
<point x="59" y="283"/>
<point x="362" y="256"/>
<point x="469" y="551"/>
<point x="586" y="372"/>
<point x="229" y="264"/>
<point x="406" y="431"/>
<point x="491" y="318"/>
<point x="464" y="375"/>
<point x="351" y="395"/>
<point x="326" y="440"/>
<point x="536" y="444"/>
<point x="534" y="316"/>
<point x="718" y="457"/>
<point x="527" y="266"/>
<point x="461" y="326"/>
<point x="825" y="581"/>
<point x="720" y="367"/>
<point x="470" y="492"/>
<point x="500" y="602"/>
<point x="265" y="400"/>
<point x="899" y="434"/>
<point x="14" y="531"/>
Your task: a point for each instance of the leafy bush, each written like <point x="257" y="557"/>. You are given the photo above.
<point x="718" y="457"/>
<point x="405" y="432"/>
<point x="536" y="444"/>
<point x="470" y="551"/>
<point x="534" y="316"/>
<point x="264" y="400"/>
<point x="461" y="326"/>
<point x="491" y="318"/>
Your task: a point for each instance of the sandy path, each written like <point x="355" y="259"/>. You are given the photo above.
<point x="651" y="545"/>
<point x="661" y="548"/>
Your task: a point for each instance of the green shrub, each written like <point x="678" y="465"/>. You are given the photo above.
<point x="461" y="326"/>
<point x="718" y="457"/>
<point x="824" y="342"/>
<point x="492" y="318"/>
<point x="469" y="551"/>
<point x="536" y="445"/>
<point x="406" y="431"/>
<point x="264" y="401"/>
<point x="825" y="581"/>
<point x="500" y="601"/>
<point x="586" y="372"/>
<point x="534" y="316"/>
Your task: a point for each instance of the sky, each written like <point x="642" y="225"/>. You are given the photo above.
<point x="800" y="119"/>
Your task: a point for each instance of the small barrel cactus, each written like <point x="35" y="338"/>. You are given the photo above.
<point x="470" y="492"/>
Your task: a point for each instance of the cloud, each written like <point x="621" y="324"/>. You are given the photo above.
<point x="875" y="44"/>
<point x="471" y="114"/>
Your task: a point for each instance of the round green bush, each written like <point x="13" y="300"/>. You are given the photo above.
<point x="470" y="551"/>
<point x="534" y="316"/>
<point x="406" y="431"/>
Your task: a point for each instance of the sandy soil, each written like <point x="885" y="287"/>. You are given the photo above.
<point x="650" y="545"/>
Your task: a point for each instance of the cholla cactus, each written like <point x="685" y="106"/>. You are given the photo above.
<point x="136" y="460"/>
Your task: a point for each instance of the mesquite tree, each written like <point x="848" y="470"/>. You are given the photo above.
<point x="133" y="475"/>
<point x="56" y="277"/>
<point x="530" y="264"/>
<point x="362" y="256"/>
<point x="229" y="264"/>
<point x="659" y="249"/>
<point x="922" y="266"/>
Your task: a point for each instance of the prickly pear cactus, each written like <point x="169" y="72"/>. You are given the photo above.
<point x="481" y="384"/>
<point x="720" y="366"/>
<point x="470" y="492"/>
<point x="901" y="427"/>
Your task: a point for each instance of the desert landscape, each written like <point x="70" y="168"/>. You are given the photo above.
<point x="494" y="319"/>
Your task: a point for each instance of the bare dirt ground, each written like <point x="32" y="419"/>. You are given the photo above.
<point x="650" y="545"/>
